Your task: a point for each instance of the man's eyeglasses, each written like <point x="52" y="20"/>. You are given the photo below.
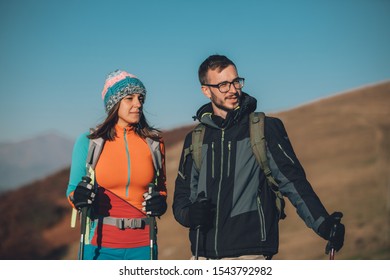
<point x="224" y="87"/>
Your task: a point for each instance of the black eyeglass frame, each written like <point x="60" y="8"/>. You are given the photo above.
<point x="240" y="80"/>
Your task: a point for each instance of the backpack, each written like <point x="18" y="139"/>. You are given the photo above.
<point x="94" y="150"/>
<point x="96" y="146"/>
<point x="258" y="144"/>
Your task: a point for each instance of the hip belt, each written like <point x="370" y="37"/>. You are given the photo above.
<point x="124" y="223"/>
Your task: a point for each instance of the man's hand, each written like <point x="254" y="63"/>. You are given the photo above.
<point x="333" y="230"/>
<point x="200" y="212"/>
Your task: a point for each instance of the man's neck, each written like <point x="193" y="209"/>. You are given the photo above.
<point x="219" y="112"/>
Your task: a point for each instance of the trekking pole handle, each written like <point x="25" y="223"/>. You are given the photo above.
<point x="84" y="210"/>
<point x="152" y="226"/>
<point x="83" y="222"/>
<point x="150" y="188"/>
<point x="200" y="199"/>
<point x="331" y="235"/>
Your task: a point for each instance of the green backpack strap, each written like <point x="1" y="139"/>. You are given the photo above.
<point x="258" y="144"/>
<point x="197" y="142"/>
<point x="195" y="149"/>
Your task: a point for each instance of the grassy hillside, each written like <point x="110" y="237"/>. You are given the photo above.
<point x="344" y="144"/>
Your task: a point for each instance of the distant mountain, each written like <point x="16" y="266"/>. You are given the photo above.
<point x="28" y="160"/>
<point x="342" y="141"/>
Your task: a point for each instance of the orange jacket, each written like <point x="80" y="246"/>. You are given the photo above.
<point x="122" y="174"/>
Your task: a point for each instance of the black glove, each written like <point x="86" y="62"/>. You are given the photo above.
<point x="331" y="229"/>
<point x="200" y="212"/>
<point x="84" y="194"/>
<point x="155" y="204"/>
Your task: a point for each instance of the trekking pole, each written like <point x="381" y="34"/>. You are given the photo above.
<point x="197" y="242"/>
<point x="83" y="223"/>
<point x="82" y="232"/>
<point x="152" y="227"/>
<point x="330" y="246"/>
<point x="201" y="199"/>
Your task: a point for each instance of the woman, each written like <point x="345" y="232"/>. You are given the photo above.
<point x="128" y="183"/>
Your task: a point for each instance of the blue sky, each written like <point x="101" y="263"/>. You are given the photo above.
<point x="55" y="55"/>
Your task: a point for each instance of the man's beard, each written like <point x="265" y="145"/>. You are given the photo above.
<point x="221" y="107"/>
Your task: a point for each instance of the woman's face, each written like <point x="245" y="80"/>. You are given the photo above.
<point x="130" y="109"/>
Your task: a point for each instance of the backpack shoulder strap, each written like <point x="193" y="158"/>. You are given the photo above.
<point x="195" y="149"/>
<point x="258" y="143"/>
<point x="157" y="158"/>
<point x="94" y="150"/>
<point x="197" y="142"/>
<point x="154" y="147"/>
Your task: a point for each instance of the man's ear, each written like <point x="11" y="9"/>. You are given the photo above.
<point x="206" y="91"/>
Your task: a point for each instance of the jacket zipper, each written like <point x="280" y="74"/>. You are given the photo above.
<point x="218" y="197"/>
<point x="229" y="152"/>
<point x="212" y="159"/>
<point x="128" y="163"/>
<point x="263" y="234"/>
<point x="281" y="148"/>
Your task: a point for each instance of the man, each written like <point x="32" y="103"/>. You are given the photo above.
<point x="226" y="202"/>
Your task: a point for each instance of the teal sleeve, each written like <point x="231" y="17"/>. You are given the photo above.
<point x="78" y="166"/>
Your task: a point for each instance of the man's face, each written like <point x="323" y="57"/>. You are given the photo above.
<point x="222" y="102"/>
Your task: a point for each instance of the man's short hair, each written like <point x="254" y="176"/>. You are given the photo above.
<point x="213" y="62"/>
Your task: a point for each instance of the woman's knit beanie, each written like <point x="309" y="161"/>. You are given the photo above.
<point x="118" y="84"/>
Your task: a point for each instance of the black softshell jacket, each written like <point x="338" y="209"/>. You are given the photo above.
<point x="244" y="214"/>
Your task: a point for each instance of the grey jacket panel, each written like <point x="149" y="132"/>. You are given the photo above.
<point x="288" y="189"/>
<point x="246" y="180"/>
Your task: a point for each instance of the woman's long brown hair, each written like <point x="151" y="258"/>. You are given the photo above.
<point x="106" y="130"/>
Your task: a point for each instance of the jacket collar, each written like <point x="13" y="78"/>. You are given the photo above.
<point x="206" y="116"/>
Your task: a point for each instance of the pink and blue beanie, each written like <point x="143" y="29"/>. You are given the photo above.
<point x="118" y="85"/>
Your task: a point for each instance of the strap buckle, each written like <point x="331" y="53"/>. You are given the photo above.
<point x="120" y="223"/>
<point x="123" y="223"/>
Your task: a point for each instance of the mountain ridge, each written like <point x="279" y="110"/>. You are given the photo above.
<point x="31" y="159"/>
